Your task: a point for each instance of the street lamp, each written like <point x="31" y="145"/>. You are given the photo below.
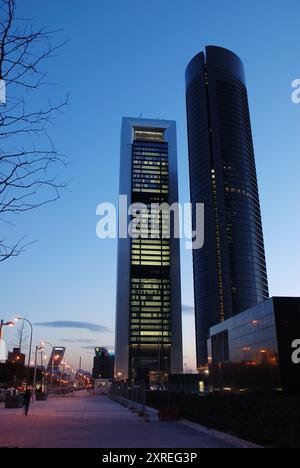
<point x="17" y="319"/>
<point x="5" y="324"/>
<point x="37" y="348"/>
<point x="52" y="362"/>
<point x="62" y="369"/>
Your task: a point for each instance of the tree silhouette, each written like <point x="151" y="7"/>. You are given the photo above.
<point x="28" y="157"/>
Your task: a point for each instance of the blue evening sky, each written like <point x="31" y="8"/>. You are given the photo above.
<point x="124" y="58"/>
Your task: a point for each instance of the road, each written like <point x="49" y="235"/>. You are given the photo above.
<point x="84" y="421"/>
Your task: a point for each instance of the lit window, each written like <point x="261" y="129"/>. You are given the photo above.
<point x="146" y="134"/>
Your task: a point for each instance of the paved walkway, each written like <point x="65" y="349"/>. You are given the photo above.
<point x="84" y="421"/>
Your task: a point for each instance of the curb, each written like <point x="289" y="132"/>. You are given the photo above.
<point x="151" y="414"/>
<point x="239" y="443"/>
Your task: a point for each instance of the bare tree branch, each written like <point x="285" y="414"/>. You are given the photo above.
<point x="27" y="177"/>
<point x="22" y="337"/>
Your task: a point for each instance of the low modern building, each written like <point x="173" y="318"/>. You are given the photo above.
<point x="103" y="364"/>
<point x="56" y="359"/>
<point x="258" y="349"/>
<point x="16" y="357"/>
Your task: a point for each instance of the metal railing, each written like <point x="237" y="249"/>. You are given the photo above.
<point x="132" y="395"/>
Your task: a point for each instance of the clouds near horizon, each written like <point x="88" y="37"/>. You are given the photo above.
<point x="63" y="324"/>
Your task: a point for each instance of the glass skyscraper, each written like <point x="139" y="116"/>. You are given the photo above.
<point x="148" y="328"/>
<point x="230" y="270"/>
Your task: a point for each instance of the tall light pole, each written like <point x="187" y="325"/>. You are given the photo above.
<point x="62" y="369"/>
<point x="37" y="348"/>
<point x="42" y="372"/>
<point x="30" y="344"/>
<point x="52" y="362"/>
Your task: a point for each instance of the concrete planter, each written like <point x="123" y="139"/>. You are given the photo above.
<point x="41" y="396"/>
<point x="169" y="414"/>
<point x="14" y="401"/>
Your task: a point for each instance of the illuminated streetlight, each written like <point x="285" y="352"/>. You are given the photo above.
<point x="5" y="324"/>
<point x="52" y="362"/>
<point x="37" y="348"/>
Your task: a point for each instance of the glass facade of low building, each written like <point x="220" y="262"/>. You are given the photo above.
<point x="253" y="350"/>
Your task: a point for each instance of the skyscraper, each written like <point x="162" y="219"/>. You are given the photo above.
<point x="230" y="270"/>
<point x="148" y="319"/>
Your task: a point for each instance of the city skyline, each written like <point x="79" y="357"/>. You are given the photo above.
<point x="69" y="296"/>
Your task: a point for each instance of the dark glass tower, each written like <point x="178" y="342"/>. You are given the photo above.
<point x="230" y="270"/>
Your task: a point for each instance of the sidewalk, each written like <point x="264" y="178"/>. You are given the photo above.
<point x="95" y="422"/>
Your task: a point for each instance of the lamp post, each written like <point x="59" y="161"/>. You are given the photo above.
<point x="62" y="370"/>
<point x="5" y="324"/>
<point x="52" y="362"/>
<point x="30" y="344"/>
<point x="37" y="348"/>
<point x="42" y="371"/>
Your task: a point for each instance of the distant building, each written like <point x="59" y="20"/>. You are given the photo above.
<point x="103" y="364"/>
<point x="56" y="358"/>
<point x="230" y="270"/>
<point x="258" y="349"/>
<point x="148" y="322"/>
<point x="16" y="357"/>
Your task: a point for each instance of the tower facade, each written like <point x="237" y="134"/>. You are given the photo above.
<point x="230" y="270"/>
<point x="148" y="318"/>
